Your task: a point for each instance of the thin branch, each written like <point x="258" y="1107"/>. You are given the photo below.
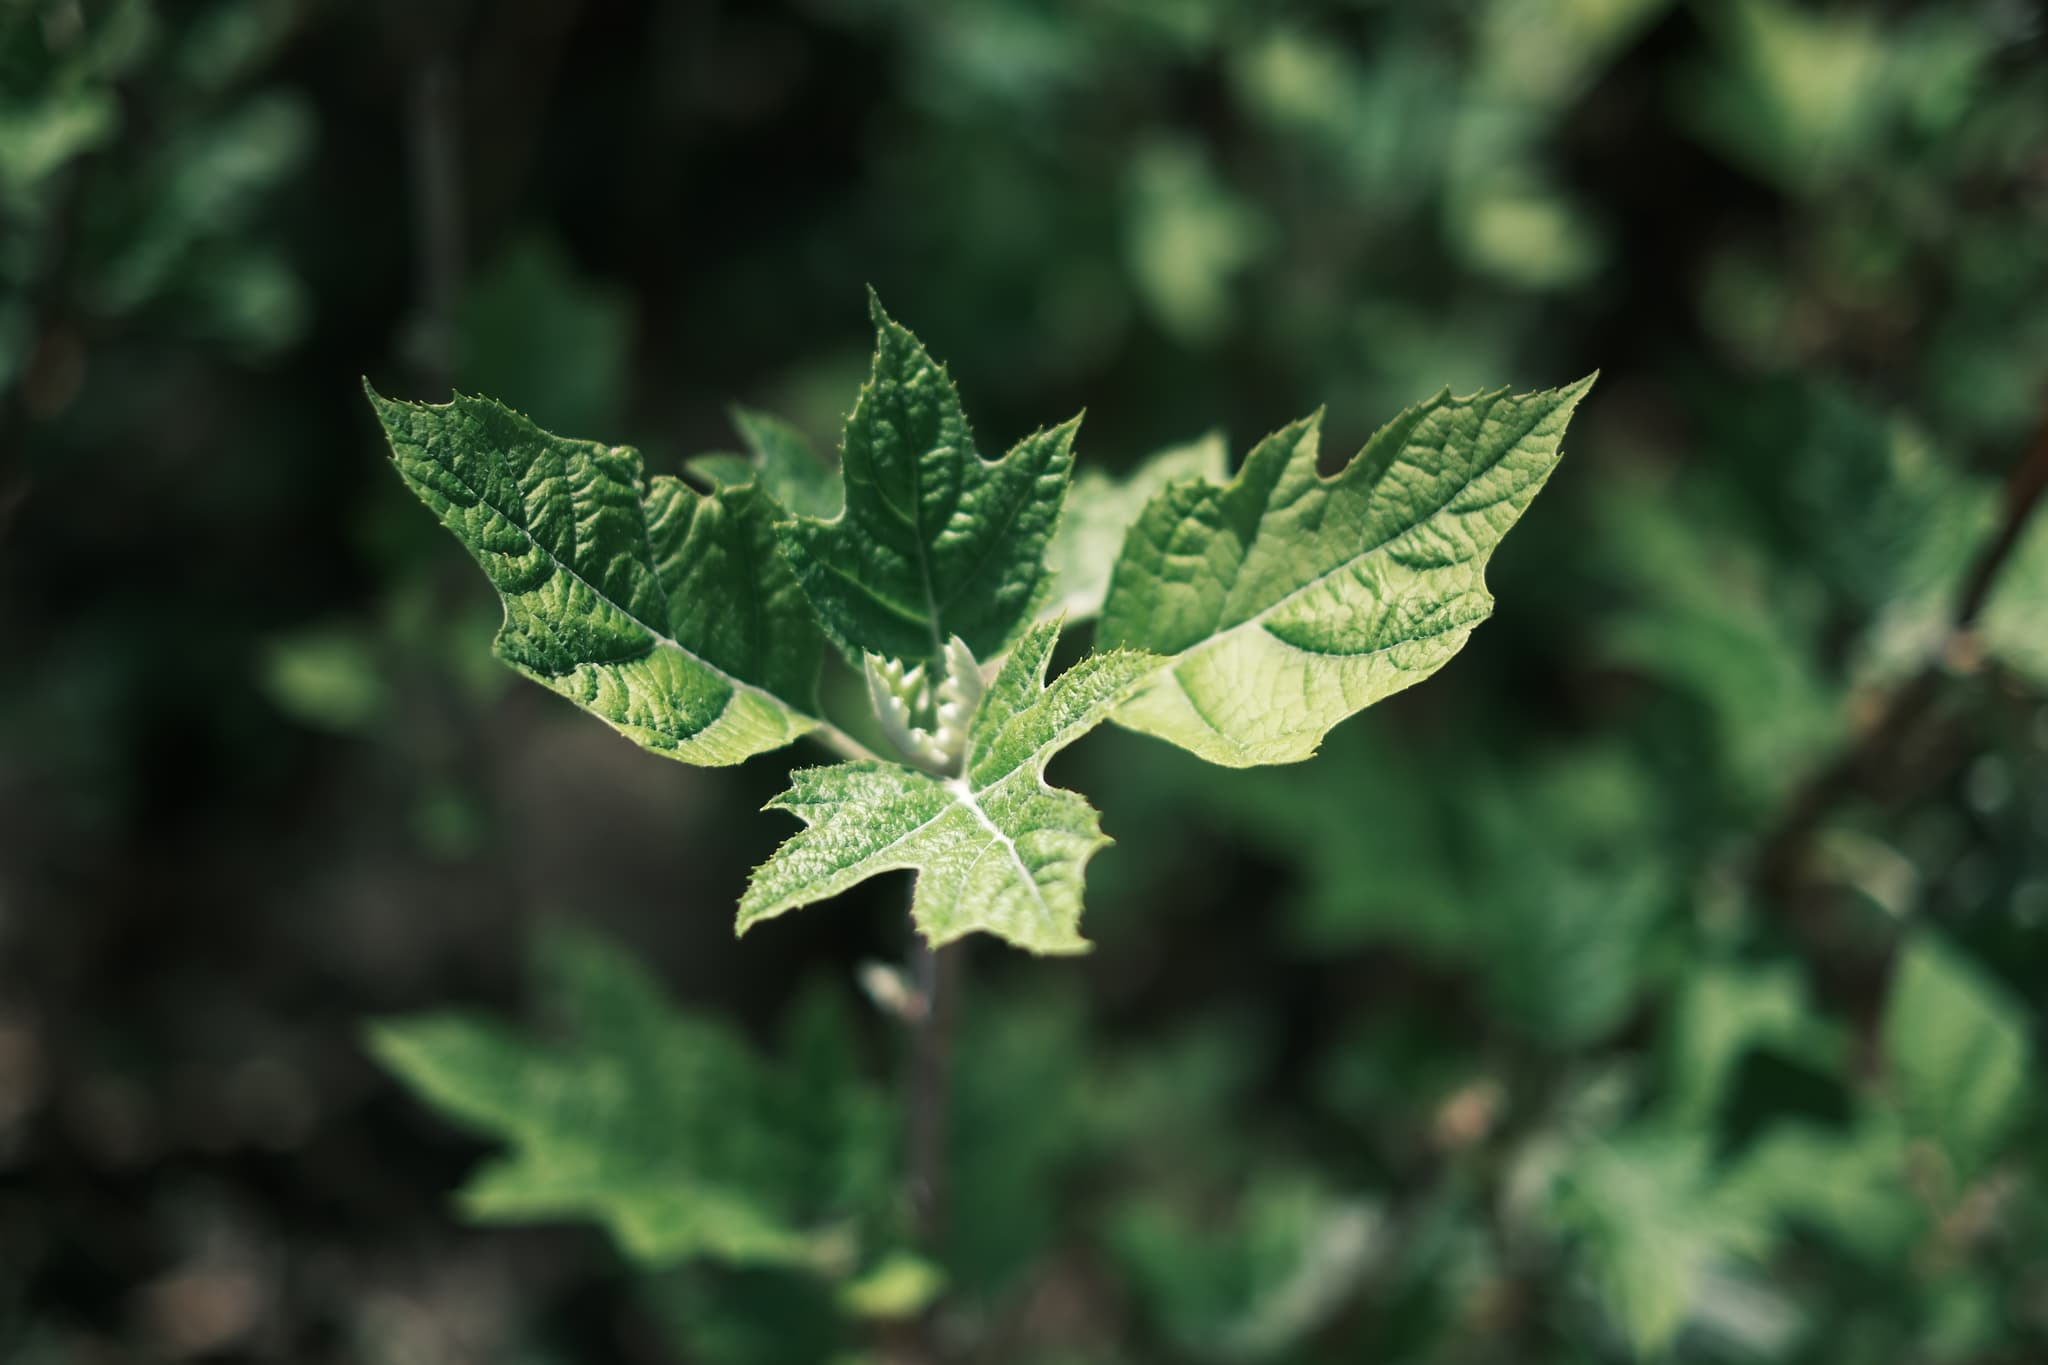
<point x="1874" y="752"/>
<point x="48" y="295"/>
<point x="435" y="129"/>
<point x="927" y="1105"/>
<point x="930" y="1097"/>
<point x="2023" y="493"/>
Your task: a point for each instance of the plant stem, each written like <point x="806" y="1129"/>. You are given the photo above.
<point x="1875" y="752"/>
<point x="841" y="743"/>
<point x="939" y="973"/>
<point x="50" y="341"/>
<point x="436" y="163"/>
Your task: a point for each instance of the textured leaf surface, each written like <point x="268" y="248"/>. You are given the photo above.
<point x="1288" y="601"/>
<point x="1955" y="1045"/>
<point x="1101" y="509"/>
<point x="934" y="541"/>
<point x="781" y="460"/>
<point x="664" y="1127"/>
<point x="664" y="612"/>
<point x="995" y="848"/>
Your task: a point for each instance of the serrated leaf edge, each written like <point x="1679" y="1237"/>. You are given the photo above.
<point x="806" y="722"/>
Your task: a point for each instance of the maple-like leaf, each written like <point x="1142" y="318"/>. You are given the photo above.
<point x="666" y="1127"/>
<point x="933" y="542"/>
<point x="994" y="848"/>
<point x="665" y="612"/>
<point x="1287" y="601"/>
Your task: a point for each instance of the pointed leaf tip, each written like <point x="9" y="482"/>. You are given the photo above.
<point x="1348" y="589"/>
<point x="996" y="849"/>
<point x="610" y="599"/>
<point x="933" y="540"/>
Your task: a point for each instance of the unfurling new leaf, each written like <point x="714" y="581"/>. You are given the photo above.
<point x="934" y="541"/>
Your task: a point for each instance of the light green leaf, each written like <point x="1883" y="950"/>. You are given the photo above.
<point x="326" y="677"/>
<point x="1652" y="1230"/>
<point x="1187" y="236"/>
<point x="2014" y="625"/>
<point x="994" y="847"/>
<point x="934" y="541"/>
<point x="42" y="136"/>
<point x="1723" y="1011"/>
<point x="1851" y="1185"/>
<point x="1101" y="509"/>
<point x="665" y="1127"/>
<point x="902" y="1286"/>
<point x="1955" y="1046"/>
<point x="1288" y="601"/>
<point x="664" y="612"/>
<point x="781" y="460"/>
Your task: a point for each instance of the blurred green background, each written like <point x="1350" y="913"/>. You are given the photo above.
<point x="1665" y="980"/>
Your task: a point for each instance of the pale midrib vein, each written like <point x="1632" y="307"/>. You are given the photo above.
<point x="660" y="636"/>
<point x="966" y="795"/>
<point x="924" y="563"/>
<point x="1077" y="727"/>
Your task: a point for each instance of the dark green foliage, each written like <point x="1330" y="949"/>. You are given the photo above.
<point x="1662" y="981"/>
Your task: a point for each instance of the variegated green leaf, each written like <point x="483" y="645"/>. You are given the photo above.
<point x="1286" y="601"/>
<point x="995" y="849"/>
<point x="665" y="612"/>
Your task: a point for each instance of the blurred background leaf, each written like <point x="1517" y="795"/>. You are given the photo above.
<point x="1663" y="981"/>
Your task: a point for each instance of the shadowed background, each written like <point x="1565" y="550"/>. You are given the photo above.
<point x="1420" y="1051"/>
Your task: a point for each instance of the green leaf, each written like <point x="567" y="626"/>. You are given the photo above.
<point x="1285" y="1264"/>
<point x="1652" y="1230"/>
<point x="2014" y="625"/>
<point x="994" y="847"/>
<point x="1101" y="509"/>
<point x="1715" y="617"/>
<point x="1017" y="1133"/>
<point x="1541" y="874"/>
<point x="1723" y="1011"/>
<point x="902" y="1286"/>
<point x="1288" y="601"/>
<point x="665" y="1127"/>
<point x="1955" y="1045"/>
<point x="1851" y="1185"/>
<point x="664" y="612"/>
<point x="781" y="460"/>
<point x="934" y="541"/>
<point x="534" y="325"/>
